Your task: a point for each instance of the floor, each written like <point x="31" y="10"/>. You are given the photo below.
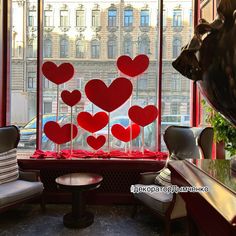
<point x="29" y="220"/>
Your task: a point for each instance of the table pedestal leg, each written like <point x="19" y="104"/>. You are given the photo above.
<point x="78" y="218"/>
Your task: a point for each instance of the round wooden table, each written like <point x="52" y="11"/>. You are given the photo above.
<point x="78" y="183"/>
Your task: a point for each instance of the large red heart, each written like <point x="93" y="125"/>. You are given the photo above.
<point x="71" y="98"/>
<point x="122" y="133"/>
<point x="58" y="74"/>
<point x="109" y="98"/>
<point x="92" y="123"/>
<point x="96" y="143"/>
<point x="57" y="134"/>
<point x="143" y="116"/>
<point x="131" y="67"/>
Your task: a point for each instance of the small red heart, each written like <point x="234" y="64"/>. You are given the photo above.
<point x="123" y="133"/>
<point x="109" y="98"/>
<point x="58" y="74"/>
<point x="143" y="116"/>
<point x="71" y="98"/>
<point x="96" y="143"/>
<point x="92" y="123"/>
<point x="57" y="134"/>
<point x="133" y="67"/>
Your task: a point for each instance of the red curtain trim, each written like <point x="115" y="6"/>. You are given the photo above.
<point x="65" y="154"/>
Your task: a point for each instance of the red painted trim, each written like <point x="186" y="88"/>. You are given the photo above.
<point x="39" y="74"/>
<point x="5" y="63"/>
<point x="160" y="75"/>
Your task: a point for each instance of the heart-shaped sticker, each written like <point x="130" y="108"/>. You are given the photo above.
<point x="143" y="116"/>
<point x="58" y="74"/>
<point x="123" y="133"/>
<point x="133" y="67"/>
<point x="92" y="123"/>
<point x="109" y="98"/>
<point x="96" y="142"/>
<point x="57" y="134"/>
<point x="71" y="98"/>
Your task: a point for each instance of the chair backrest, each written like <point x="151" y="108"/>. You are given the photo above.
<point x="189" y="142"/>
<point x="9" y="138"/>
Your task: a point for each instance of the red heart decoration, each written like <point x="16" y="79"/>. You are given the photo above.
<point x="133" y="67"/>
<point x="143" y="116"/>
<point x="58" y="74"/>
<point x="71" y="98"/>
<point x="92" y="123"/>
<point x="109" y="98"/>
<point x="57" y="134"/>
<point x="96" y="143"/>
<point x="123" y="133"/>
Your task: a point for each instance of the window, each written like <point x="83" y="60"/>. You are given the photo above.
<point x="32" y="48"/>
<point x="144" y="19"/>
<point x="177" y="17"/>
<point x="95" y="49"/>
<point x="95" y="18"/>
<point x="64" y="18"/>
<point x="144" y="45"/>
<point x="64" y="47"/>
<point x="164" y="18"/>
<point x="47" y="84"/>
<point x="143" y="83"/>
<point x="48" y="18"/>
<point x="164" y="48"/>
<point x="111" y="49"/>
<point x="128" y="47"/>
<point x="31" y="80"/>
<point x="112" y="18"/>
<point x="175" y="108"/>
<point x="176" y="82"/>
<point x="128" y="17"/>
<point x="80" y="49"/>
<point x="176" y="47"/>
<point x="47" y="48"/>
<point x="32" y="18"/>
<point x="80" y="18"/>
<point x="47" y="107"/>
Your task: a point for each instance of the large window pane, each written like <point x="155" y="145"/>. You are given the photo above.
<point x="177" y="29"/>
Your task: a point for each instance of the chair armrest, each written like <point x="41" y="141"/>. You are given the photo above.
<point x="148" y="177"/>
<point x="29" y="175"/>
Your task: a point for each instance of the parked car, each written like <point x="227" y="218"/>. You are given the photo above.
<point x="28" y="132"/>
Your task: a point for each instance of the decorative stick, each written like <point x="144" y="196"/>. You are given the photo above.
<point x="57" y="146"/>
<point x="71" y="131"/>
<point x="142" y="140"/>
<point x="108" y="133"/>
<point x="130" y="105"/>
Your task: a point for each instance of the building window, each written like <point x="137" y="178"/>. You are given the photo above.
<point x="80" y="49"/>
<point x="144" y="19"/>
<point x="175" y="108"/>
<point x="47" y="84"/>
<point x="47" y="52"/>
<point x="164" y="18"/>
<point x="128" y="47"/>
<point x="142" y="83"/>
<point x="80" y="18"/>
<point x="111" y="49"/>
<point x="164" y="48"/>
<point x="31" y="80"/>
<point x="64" y="48"/>
<point x="128" y="18"/>
<point x="112" y="18"/>
<point x="95" y="49"/>
<point x="48" y="18"/>
<point x="95" y="18"/>
<point x="144" y="45"/>
<point x="32" y="18"/>
<point x="176" y="47"/>
<point x="176" y="82"/>
<point x="177" y="17"/>
<point x="32" y="48"/>
<point x="47" y="107"/>
<point x="64" y="18"/>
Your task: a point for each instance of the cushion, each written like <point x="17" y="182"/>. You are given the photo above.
<point x="158" y="201"/>
<point x="163" y="178"/>
<point x="8" y="166"/>
<point x="18" y="190"/>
